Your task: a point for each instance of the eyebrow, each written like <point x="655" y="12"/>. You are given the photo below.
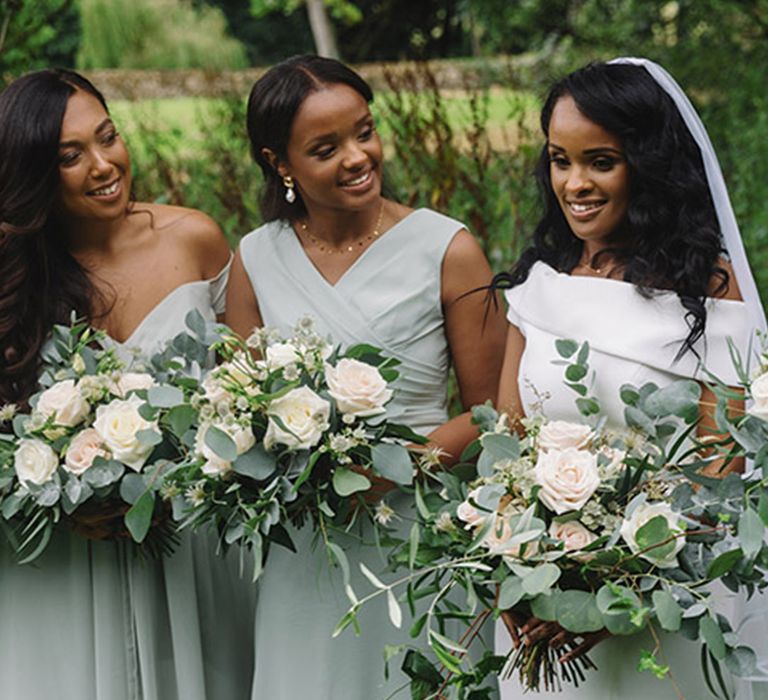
<point x="590" y="151"/>
<point x="100" y="128"/>
<point x="332" y="134"/>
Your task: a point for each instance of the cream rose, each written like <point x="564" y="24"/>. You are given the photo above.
<point x="304" y="415"/>
<point x="132" y="381"/>
<point x="559" y="434"/>
<point x="64" y="403"/>
<point x="34" y="461"/>
<point x="281" y="355"/>
<point x="572" y="534"/>
<point x="664" y="557"/>
<point x="567" y="478"/>
<point x="358" y="388"/>
<point x="242" y="436"/>
<point x="118" y="424"/>
<point x="499" y="537"/>
<point x="759" y="391"/>
<point x="82" y="450"/>
<point x="468" y="513"/>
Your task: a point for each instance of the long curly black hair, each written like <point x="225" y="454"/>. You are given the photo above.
<point x="671" y="238"/>
<point x="40" y="282"/>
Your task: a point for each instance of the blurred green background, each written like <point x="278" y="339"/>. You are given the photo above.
<point x="456" y="101"/>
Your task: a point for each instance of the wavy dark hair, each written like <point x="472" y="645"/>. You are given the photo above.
<point x="671" y="238"/>
<point x="40" y="282"/>
<point x="273" y="104"/>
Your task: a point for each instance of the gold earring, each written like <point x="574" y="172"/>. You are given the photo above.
<point x="290" y="194"/>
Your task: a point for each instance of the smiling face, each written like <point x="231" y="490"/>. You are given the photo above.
<point x="334" y="153"/>
<point x="589" y="174"/>
<point x="94" y="166"/>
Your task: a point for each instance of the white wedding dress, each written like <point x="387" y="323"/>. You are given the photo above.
<point x="632" y="340"/>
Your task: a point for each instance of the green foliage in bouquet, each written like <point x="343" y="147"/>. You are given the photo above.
<point x="285" y="431"/>
<point x="591" y="526"/>
<point x="92" y="450"/>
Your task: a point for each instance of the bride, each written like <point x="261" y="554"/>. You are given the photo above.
<point x="638" y="252"/>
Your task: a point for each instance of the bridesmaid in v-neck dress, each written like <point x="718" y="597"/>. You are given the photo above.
<point x="369" y="270"/>
<point x="88" y="621"/>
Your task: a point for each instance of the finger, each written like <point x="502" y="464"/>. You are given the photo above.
<point x="511" y="625"/>
<point x="530" y="623"/>
<point x="588" y="643"/>
<point x="560" y="639"/>
<point x="543" y="631"/>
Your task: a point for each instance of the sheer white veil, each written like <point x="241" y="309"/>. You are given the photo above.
<point x="753" y="626"/>
<point x="730" y="229"/>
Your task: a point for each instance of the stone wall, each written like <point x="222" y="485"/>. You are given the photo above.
<point x="449" y="74"/>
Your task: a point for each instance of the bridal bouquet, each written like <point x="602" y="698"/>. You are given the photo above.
<point x="91" y="451"/>
<point x="287" y="430"/>
<point x="589" y="527"/>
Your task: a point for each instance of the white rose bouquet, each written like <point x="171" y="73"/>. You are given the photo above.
<point x="287" y="429"/>
<point x="90" y="450"/>
<point x="600" y="530"/>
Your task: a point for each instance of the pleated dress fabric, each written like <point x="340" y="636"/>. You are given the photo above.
<point x="391" y="298"/>
<point x="92" y="621"/>
<point x="633" y="340"/>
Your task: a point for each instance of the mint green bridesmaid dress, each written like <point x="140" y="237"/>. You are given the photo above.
<point x="92" y="621"/>
<point x="391" y="298"/>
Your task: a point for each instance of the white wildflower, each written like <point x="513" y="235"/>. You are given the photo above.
<point x="7" y="412"/>
<point x="384" y="513"/>
<point x="444" y="523"/>
<point x="195" y="494"/>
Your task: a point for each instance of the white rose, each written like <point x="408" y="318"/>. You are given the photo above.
<point x="468" y="513"/>
<point x="567" y="478"/>
<point x="281" y="355"/>
<point x="34" y="461"/>
<point x="359" y="388"/>
<point x="132" y="381"/>
<point x="559" y="434"/>
<point x="242" y="436"/>
<point x="82" y="450"/>
<point x="664" y="557"/>
<point x="118" y="423"/>
<point x="303" y="413"/>
<point x="572" y="534"/>
<point x="64" y="403"/>
<point x="759" y="391"/>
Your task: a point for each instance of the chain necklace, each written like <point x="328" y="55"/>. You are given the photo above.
<point x="325" y="248"/>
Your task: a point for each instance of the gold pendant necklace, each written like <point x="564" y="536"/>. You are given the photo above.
<point x="325" y="248"/>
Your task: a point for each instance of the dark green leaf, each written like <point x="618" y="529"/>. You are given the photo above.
<point x="566" y="348"/>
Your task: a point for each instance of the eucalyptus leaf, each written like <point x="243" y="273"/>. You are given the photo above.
<point x="346" y="482"/>
<point x="497" y="448"/>
<point x="221" y="443"/>
<point x="257" y="463"/>
<point x="541" y="579"/>
<point x="139" y="517"/>
<point x="49" y="494"/>
<point x="713" y="637"/>
<point x="566" y="348"/>
<point x="132" y="487"/>
<point x="577" y="612"/>
<point x="751" y="530"/>
<point x="149" y="437"/>
<point x="393" y="462"/>
<point x="668" y="612"/>
<point x="510" y="593"/>
<point x="741" y="661"/>
<point x="545" y="606"/>
<point x="180" y="419"/>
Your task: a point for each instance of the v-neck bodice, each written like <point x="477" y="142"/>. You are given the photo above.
<point x="389" y="297"/>
<point x="167" y="318"/>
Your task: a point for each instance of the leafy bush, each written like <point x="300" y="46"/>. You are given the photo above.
<point x="156" y="34"/>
